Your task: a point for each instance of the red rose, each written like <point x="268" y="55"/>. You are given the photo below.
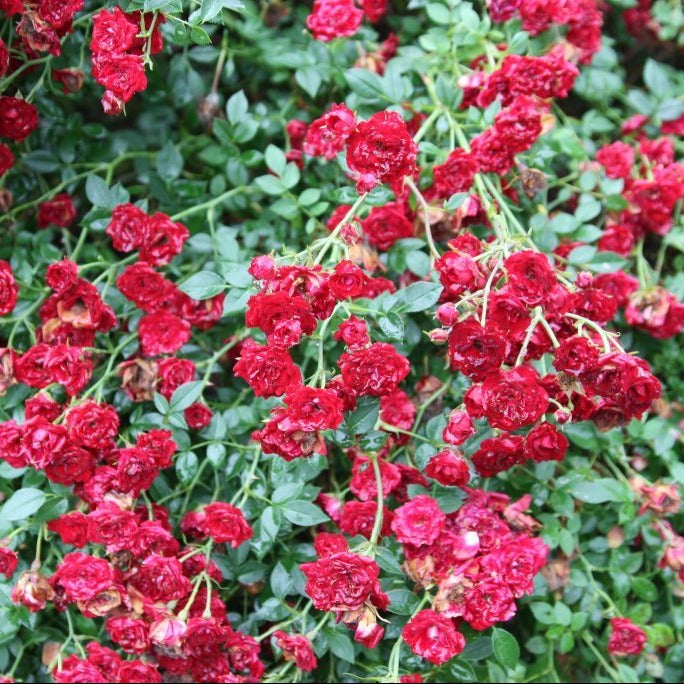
<point x="459" y="427"/>
<point x="269" y="371"/>
<point x="617" y="159"/>
<point x="62" y="275"/>
<point x="419" y="521"/>
<point x="83" y="577"/>
<point x="146" y="288"/>
<point x="433" y="637"/>
<point x="381" y="150"/>
<point x="198" y="416"/>
<point x="375" y="9"/>
<point x="456" y="174"/>
<point x="163" y="241"/>
<point x="458" y="273"/>
<point x="92" y="425"/>
<point x="162" y="333"/>
<point x="8" y="562"/>
<point x="343" y="581"/>
<point x="71" y="465"/>
<point x="449" y="468"/>
<point x="498" y="454"/>
<point x="375" y="371"/>
<point x="173" y="372"/>
<point x="626" y="638"/>
<point x="225" y="523"/>
<point x="267" y="310"/>
<point x="363" y="484"/>
<point x="296" y="648"/>
<point x="487" y="603"/>
<point x="530" y="276"/>
<point x="512" y="399"/>
<point x="545" y="443"/>
<point x="328" y="543"/>
<point x="59" y="211"/>
<point x="8" y="289"/>
<point x="42" y="405"/>
<point x="161" y="579"/>
<point x="128" y="228"/>
<point x="347" y="280"/>
<point x="330" y="19"/>
<point x="136" y="469"/>
<point x="310" y="409"/>
<point x="358" y="517"/>
<point x="71" y="79"/>
<point x="72" y="528"/>
<point x="159" y="445"/>
<point x="132" y="634"/>
<point x="353" y="332"/>
<point x="42" y="442"/>
<point x="18" y="118"/>
<point x="387" y="224"/>
<point x="474" y="350"/>
<point x="112" y="526"/>
<point x="122" y="75"/>
<point x="326" y="136"/>
<point x="7" y="159"/>
<point x="113" y="32"/>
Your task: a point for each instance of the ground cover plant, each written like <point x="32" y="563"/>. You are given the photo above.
<point x="340" y="341"/>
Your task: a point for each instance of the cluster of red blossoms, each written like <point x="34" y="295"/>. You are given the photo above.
<point x="120" y="45"/>
<point x="330" y="19"/>
<point x="155" y="596"/>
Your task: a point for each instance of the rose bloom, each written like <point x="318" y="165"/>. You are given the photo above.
<point x="8" y="561"/>
<point x="385" y="225"/>
<point x="343" y="581"/>
<point x="296" y="648"/>
<point x="18" y="118"/>
<point x="162" y="333"/>
<point x="7" y="158"/>
<point x="59" y="211"/>
<point x="433" y="636"/>
<point x="419" y="521"/>
<point x="92" y="425"/>
<point x="326" y="136"/>
<point x="376" y="370"/>
<point x="330" y="19"/>
<point x="8" y="289"/>
<point x="449" y="468"/>
<point x="269" y="371"/>
<point x="381" y="150"/>
<point x="626" y="638"/>
<point x="198" y="415"/>
<point x="225" y="523"/>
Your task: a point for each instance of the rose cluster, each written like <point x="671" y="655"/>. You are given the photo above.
<point x="120" y="45"/>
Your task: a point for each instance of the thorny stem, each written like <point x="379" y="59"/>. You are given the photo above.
<point x="330" y="240"/>
<point x="426" y="216"/>
<point x="379" y="513"/>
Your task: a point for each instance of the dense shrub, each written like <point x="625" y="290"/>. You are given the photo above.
<point x="339" y="340"/>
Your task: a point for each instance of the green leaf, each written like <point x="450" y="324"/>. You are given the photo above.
<point x="236" y="107"/>
<point x="185" y="396"/>
<point x="341" y="645"/>
<point x="22" y="504"/>
<point x="418" y="296"/>
<point x="97" y="191"/>
<point x="303" y="513"/>
<point x="600" y="491"/>
<point x="363" y="418"/>
<point x="309" y="78"/>
<point x="366" y="84"/>
<point x="275" y="159"/>
<point x="169" y="162"/>
<point x="186" y="466"/>
<point x="203" y="285"/>
<point x="506" y="648"/>
<point x="656" y="78"/>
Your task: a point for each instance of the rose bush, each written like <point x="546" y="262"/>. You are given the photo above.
<point x="339" y="340"/>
